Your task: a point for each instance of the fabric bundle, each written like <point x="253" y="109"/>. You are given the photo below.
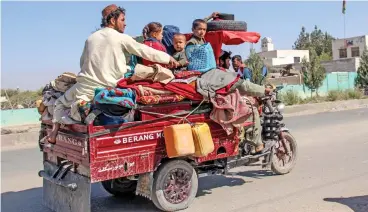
<point x="116" y="105"/>
<point x="52" y="91"/>
<point x="156" y="73"/>
<point x="230" y="111"/>
<point x="121" y="97"/>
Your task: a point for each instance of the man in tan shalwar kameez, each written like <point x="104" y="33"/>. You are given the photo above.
<point x="102" y="64"/>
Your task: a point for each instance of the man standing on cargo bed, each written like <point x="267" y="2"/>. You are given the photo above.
<point x="102" y="64"/>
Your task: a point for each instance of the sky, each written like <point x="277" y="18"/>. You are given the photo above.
<point x="41" y="40"/>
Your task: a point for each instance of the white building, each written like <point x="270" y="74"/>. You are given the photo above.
<point x="349" y="47"/>
<point x="272" y="57"/>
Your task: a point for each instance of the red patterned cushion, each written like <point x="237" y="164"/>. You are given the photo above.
<point x="186" y="74"/>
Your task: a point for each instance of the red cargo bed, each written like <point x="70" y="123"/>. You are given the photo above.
<point x="131" y="151"/>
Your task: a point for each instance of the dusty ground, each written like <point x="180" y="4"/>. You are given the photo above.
<point x="331" y="175"/>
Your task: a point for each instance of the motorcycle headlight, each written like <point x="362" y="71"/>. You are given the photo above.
<point x="281" y="107"/>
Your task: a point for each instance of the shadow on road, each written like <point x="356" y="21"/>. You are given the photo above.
<point x="256" y="174"/>
<point x="206" y="184"/>
<point x="27" y="200"/>
<point x="30" y="200"/>
<point x="357" y="204"/>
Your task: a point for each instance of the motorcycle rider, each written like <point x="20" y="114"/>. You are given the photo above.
<point x="251" y="90"/>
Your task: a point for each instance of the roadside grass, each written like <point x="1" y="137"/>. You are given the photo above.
<point x="291" y="97"/>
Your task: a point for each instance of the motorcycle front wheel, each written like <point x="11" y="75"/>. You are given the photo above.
<point x="283" y="163"/>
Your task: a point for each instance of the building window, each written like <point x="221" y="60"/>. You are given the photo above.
<point x="355" y="52"/>
<point x="296" y="59"/>
<point x="343" y="53"/>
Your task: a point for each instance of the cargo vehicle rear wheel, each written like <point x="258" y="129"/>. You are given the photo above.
<point x="120" y="187"/>
<point x="175" y="186"/>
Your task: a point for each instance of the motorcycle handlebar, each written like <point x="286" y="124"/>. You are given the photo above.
<point x="269" y="105"/>
<point x="267" y="101"/>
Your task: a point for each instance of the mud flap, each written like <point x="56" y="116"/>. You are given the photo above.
<point x="65" y="191"/>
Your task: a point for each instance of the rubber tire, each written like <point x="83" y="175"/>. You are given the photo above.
<point x="226" y="16"/>
<point x="227" y="25"/>
<point x="279" y="170"/>
<point x="119" y="192"/>
<point x="160" y="175"/>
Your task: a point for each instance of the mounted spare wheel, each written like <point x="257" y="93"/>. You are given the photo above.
<point x="175" y="186"/>
<point x="120" y="186"/>
<point x="227" y="25"/>
<point x="225" y="16"/>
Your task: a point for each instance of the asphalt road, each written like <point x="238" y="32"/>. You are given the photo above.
<point x="331" y="175"/>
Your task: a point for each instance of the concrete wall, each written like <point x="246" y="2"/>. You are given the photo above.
<point x="341" y="65"/>
<point x="360" y="41"/>
<point x="268" y="54"/>
<point x="278" y="61"/>
<point x="293" y="53"/>
<point x="19" y="117"/>
<point x="333" y="81"/>
<point x="283" y="57"/>
<point x="289" y="80"/>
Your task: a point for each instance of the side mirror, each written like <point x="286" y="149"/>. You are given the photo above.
<point x="264" y="71"/>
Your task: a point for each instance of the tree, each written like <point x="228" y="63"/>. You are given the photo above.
<point x="327" y="42"/>
<point x="362" y="78"/>
<point x="316" y="40"/>
<point x="255" y="63"/>
<point x="9" y="92"/>
<point x="303" y="42"/>
<point x="325" y="57"/>
<point x="25" y="98"/>
<point x="314" y="72"/>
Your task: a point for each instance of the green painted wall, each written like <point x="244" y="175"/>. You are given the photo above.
<point x="19" y="117"/>
<point x="333" y="81"/>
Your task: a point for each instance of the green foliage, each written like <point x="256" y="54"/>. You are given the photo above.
<point x="255" y="63"/>
<point x="303" y="41"/>
<point x="362" y="78"/>
<point x="333" y="95"/>
<point x="344" y="95"/>
<point x="316" y="40"/>
<point x="16" y="97"/>
<point x="325" y="57"/>
<point x="290" y="98"/>
<point x="354" y="94"/>
<point x="9" y="92"/>
<point x="314" y="72"/>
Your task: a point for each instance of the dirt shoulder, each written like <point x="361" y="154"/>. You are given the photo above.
<point x="307" y="109"/>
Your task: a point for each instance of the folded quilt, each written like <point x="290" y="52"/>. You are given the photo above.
<point x="156" y="73"/>
<point x="147" y="91"/>
<point x="122" y="97"/>
<point x="160" y="99"/>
